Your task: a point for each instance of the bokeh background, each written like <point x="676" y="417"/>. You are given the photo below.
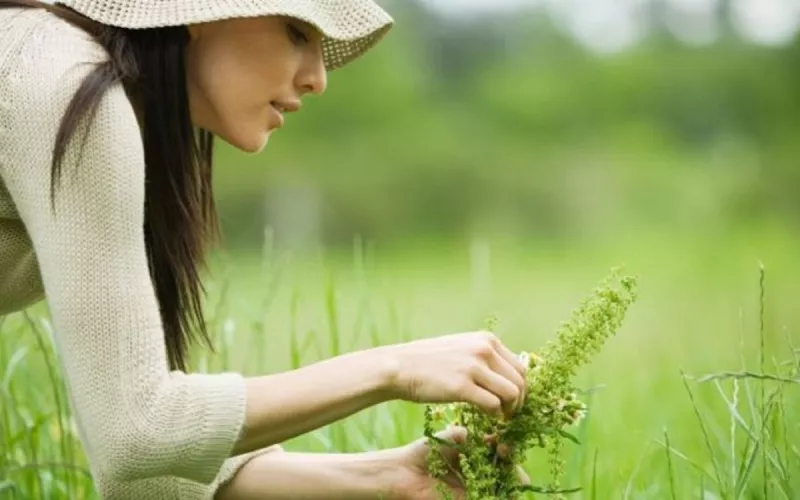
<point x="540" y="121"/>
<point x="500" y="157"/>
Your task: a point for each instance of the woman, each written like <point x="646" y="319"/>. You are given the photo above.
<point x="108" y="109"/>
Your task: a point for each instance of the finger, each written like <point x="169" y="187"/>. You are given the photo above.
<point x="486" y="400"/>
<point x="501" y="365"/>
<point x="519" y="367"/>
<point x="455" y="434"/>
<point x="503" y="451"/>
<point x="514" y="363"/>
<point x="503" y="389"/>
<point x="513" y="360"/>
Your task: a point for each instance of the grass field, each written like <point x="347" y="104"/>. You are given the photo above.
<point x="651" y="432"/>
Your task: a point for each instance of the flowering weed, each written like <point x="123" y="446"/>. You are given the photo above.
<point x="551" y="404"/>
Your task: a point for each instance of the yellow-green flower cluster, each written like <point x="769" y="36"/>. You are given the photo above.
<point x="551" y="404"/>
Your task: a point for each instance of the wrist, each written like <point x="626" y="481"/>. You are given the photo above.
<point x="384" y="369"/>
<point x="379" y="470"/>
<point x="391" y="475"/>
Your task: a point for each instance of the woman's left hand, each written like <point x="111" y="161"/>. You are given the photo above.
<point x="413" y="480"/>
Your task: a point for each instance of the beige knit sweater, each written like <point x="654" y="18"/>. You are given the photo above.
<point x="148" y="433"/>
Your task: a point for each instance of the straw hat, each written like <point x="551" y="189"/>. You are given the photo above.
<point x="349" y="27"/>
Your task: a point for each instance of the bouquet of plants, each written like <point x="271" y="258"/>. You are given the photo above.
<point x="550" y="408"/>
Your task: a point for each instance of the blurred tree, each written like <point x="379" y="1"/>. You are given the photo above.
<point x="506" y="123"/>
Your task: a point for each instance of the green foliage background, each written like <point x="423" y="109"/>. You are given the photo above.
<point x="508" y="126"/>
<point x="498" y="166"/>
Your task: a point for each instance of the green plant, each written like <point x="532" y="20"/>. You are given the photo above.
<point x="551" y="405"/>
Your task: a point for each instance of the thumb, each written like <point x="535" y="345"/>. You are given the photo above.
<point x="455" y="434"/>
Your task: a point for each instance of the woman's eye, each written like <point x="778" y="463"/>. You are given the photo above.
<point x="296" y="34"/>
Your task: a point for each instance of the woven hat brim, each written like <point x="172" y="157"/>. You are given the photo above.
<point x="349" y="28"/>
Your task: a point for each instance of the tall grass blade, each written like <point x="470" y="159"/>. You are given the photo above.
<point x="671" y="473"/>
<point x="8" y="488"/>
<point x="594" y="474"/>
<point x="741" y="471"/>
<point x="57" y="385"/>
<point x="763" y="388"/>
<point x="362" y="307"/>
<point x="332" y="316"/>
<point x="706" y="438"/>
<point x="294" y="345"/>
<point x="742" y="479"/>
<point x="334" y="336"/>
<point x="748" y="375"/>
<point x="672" y="449"/>
<point x="634" y="472"/>
<point x="16" y="358"/>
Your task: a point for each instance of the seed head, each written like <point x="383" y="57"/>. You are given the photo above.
<point x="551" y="403"/>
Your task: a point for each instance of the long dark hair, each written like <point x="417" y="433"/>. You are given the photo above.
<point x="180" y="216"/>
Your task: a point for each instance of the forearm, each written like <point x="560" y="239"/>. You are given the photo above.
<point x="288" y="404"/>
<point x="309" y="476"/>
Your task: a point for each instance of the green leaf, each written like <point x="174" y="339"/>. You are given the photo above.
<point x="547" y="491"/>
<point x="569" y="436"/>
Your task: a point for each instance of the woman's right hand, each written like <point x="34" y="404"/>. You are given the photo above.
<point x="472" y="367"/>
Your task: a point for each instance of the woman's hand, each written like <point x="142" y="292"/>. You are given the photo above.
<point x="413" y="480"/>
<point x="394" y="474"/>
<point x="472" y="367"/>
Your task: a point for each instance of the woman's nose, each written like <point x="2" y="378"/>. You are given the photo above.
<point x="313" y="78"/>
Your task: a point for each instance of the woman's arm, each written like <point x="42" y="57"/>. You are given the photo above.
<point x="310" y="476"/>
<point x="137" y="420"/>
<point x="308" y="398"/>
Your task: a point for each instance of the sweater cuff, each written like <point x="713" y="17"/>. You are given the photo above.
<point x="232" y="466"/>
<point x="223" y="418"/>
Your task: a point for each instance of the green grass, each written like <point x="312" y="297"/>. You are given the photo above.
<point x="697" y="396"/>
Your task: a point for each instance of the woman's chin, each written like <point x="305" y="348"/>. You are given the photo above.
<point x="252" y="143"/>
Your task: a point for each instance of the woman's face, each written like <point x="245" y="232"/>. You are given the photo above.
<point x="244" y="74"/>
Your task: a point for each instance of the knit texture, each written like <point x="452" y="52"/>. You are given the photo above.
<point x="349" y="27"/>
<point x="148" y="433"/>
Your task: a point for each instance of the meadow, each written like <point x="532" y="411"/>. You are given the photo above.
<point x="675" y="159"/>
<point x="655" y="427"/>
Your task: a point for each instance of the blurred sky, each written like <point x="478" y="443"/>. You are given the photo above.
<point x="611" y="25"/>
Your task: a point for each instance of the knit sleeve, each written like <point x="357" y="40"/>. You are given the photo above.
<point x="233" y="465"/>
<point x="136" y="419"/>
